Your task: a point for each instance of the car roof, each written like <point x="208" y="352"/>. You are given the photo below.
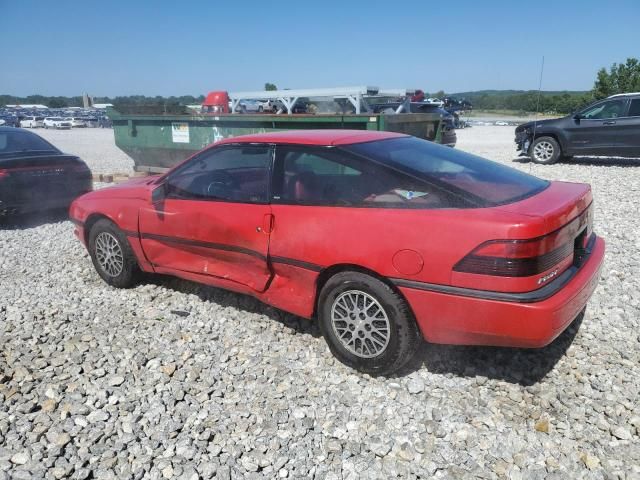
<point x="314" y="137"/>
<point x="630" y="94"/>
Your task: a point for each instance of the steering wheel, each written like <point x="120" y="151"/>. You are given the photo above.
<point x="221" y="185"/>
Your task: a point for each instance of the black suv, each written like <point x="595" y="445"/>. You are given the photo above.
<point x="609" y="127"/>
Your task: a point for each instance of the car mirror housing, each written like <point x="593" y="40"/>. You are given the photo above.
<point x="577" y="116"/>
<point x="159" y="193"/>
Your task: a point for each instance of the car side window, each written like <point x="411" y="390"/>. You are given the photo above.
<point x="634" y="108"/>
<point x="234" y="174"/>
<point x="609" y="109"/>
<point x="331" y="177"/>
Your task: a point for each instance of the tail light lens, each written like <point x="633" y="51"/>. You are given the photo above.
<point x="524" y="258"/>
<point x="3" y="173"/>
<point x="513" y="258"/>
<point x="79" y="168"/>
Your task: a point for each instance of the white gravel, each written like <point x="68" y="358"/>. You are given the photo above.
<point x="177" y="380"/>
<point x="96" y="146"/>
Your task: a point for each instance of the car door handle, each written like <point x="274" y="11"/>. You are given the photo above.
<point x="267" y="224"/>
<point x="609" y="122"/>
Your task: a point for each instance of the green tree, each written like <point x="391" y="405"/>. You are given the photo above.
<point x="602" y="86"/>
<point x="621" y="78"/>
<point x="270" y="87"/>
<point x="58" y="102"/>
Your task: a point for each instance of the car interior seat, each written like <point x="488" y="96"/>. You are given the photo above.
<point x="301" y="187"/>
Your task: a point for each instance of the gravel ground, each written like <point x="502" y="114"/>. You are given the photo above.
<point x="176" y="380"/>
<point x="94" y="145"/>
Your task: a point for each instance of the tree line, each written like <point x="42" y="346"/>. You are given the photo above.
<point x="620" y="78"/>
<point x="527" y="101"/>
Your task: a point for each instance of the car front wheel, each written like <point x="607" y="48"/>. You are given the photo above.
<point x="367" y="325"/>
<point x="112" y="256"/>
<point x="545" y="150"/>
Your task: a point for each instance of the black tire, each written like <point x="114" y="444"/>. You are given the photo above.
<point x="403" y="337"/>
<point x="545" y="150"/>
<point x="129" y="273"/>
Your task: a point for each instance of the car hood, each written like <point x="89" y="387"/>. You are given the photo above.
<point x="536" y="124"/>
<point x="134" y="188"/>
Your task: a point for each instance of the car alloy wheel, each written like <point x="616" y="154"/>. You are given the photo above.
<point x="543" y="151"/>
<point x="360" y="323"/>
<point x="109" y="254"/>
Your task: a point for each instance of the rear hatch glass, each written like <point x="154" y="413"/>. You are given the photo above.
<point x="482" y="182"/>
<point x="19" y="143"/>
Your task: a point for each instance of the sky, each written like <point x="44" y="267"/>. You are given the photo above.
<point x="182" y="47"/>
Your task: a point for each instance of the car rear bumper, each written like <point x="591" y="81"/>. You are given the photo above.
<point x="50" y="200"/>
<point x="13" y="208"/>
<point x="529" y="321"/>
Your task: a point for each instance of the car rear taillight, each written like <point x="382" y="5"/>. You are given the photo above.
<point x="513" y="258"/>
<point x="3" y="173"/>
<point x="79" y="167"/>
<point x="524" y="258"/>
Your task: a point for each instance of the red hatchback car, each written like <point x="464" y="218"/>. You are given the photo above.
<point x="384" y="237"/>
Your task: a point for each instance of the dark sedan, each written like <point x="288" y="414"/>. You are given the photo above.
<point x="36" y="176"/>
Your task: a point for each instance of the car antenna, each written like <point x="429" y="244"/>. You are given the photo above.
<point x="535" y="118"/>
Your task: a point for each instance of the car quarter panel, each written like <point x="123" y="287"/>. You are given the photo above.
<point x="461" y="320"/>
<point x="421" y="245"/>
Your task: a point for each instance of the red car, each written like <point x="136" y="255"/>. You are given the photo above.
<point x="384" y="237"/>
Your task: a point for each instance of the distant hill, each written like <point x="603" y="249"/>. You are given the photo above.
<point x="551" y="101"/>
<point x="478" y="93"/>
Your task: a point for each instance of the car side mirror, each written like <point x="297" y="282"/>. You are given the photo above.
<point x="577" y="117"/>
<point x="159" y="193"/>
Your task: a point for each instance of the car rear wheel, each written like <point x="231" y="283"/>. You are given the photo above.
<point x="112" y="256"/>
<point x="545" y="150"/>
<point x="366" y="324"/>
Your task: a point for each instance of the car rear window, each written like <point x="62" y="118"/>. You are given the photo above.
<point x="18" y="142"/>
<point x="481" y="181"/>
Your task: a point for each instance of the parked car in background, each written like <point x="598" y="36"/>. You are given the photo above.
<point x="268" y="106"/>
<point x="76" y="122"/>
<point x="36" y="176"/>
<point x="478" y="253"/>
<point x="32" y="122"/>
<point x="57" y="123"/>
<point x="249" y="106"/>
<point x="9" y="121"/>
<point x="609" y="127"/>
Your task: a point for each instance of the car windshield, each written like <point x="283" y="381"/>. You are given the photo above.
<point x="18" y="142"/>
<point x="481" y="181"/>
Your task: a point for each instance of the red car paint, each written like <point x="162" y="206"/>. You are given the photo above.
<point x="279" y="252"/>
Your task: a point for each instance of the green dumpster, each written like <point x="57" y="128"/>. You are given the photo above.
<point x="158" y="141"/>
